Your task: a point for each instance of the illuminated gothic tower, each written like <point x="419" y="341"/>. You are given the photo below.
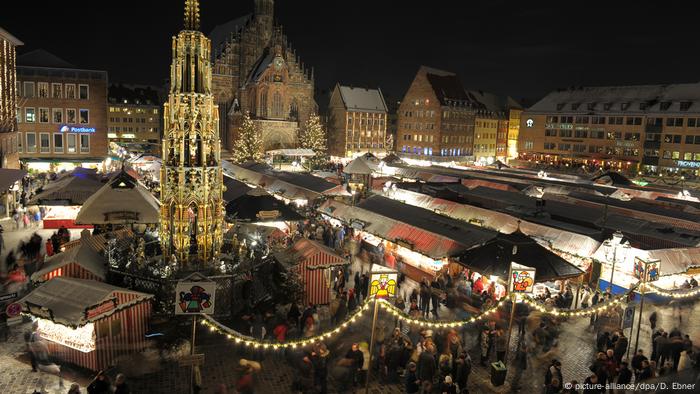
<point x="191" y="177"/>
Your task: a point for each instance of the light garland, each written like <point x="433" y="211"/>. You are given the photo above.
<point x="603" y="306"/>
<point x="239" y="338"/>
<point x="677" y="294"/>
<point x="438" y="324"/>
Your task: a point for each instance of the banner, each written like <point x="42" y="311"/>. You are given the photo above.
<point x="628" y="317"/>
<point x="194" y="297"/>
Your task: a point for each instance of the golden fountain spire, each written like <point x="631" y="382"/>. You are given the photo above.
<point x="191" y="14"/>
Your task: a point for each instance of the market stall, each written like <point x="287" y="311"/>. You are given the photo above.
<point x="89" y="323"/>
<point x="313" y="262"/>
<point x="81" y="261"/>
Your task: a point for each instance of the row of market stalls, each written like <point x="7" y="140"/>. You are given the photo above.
<point x="299" y="188"/>
<point x="427" y="243"/>
<point x="83" y="319"/>
<point x="9" y="189"/>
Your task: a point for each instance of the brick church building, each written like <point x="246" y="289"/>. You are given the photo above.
<point x="255" y="69"/>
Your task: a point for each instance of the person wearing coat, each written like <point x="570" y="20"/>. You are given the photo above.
<point x="620" y="347"/>
<point x="426" y="367"/>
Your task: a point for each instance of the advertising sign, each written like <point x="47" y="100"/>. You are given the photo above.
<point x="628" y="318"/>
<point x="383" y="282"/>
<point x="647" y="270"/>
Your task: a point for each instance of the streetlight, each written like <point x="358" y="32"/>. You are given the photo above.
<point x="615" y="242"/>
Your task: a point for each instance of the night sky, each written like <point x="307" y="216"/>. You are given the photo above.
<point x="523" y="49"/>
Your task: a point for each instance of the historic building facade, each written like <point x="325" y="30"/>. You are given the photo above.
<point x="135" y="117"/>
<point x="436" y="118"/>
<point x="191" y="176"/>
<point x="357" y="122"/>
<point x="652" y="128"/>
<point x="9" y="157"/>
<point x="62" y="113"/>
<point x="256" y="70"/>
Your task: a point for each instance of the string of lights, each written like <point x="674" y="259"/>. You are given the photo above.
<point x="245" y="340"/>
<point x="581" y="311"/>
<point x="677" y="294"/>
<point x="438" y="324"/>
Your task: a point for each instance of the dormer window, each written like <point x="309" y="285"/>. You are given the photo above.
<point x="685" y="105"/>
<point x="665" y="105"/>
<point x="560" y="106"/>
<point x="607" y="106"/>
<point x="643" y="106"/>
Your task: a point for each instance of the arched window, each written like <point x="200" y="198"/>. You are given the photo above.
<point x="277" y="106"/>
<point x="294" y="110"/>
<point x="262" y="109"/>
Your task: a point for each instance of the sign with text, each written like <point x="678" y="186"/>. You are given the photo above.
<point x="8" y="296"/>
<point x="522" y="279"/>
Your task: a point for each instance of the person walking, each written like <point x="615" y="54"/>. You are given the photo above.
<point x="120" y="386"/>
<point x="501" y="345"/>
<point x="355" y="354"/>
<point x="426" y="368"/>
<point x="412" y="385"/>
<point x="620" y="347"/>
<point x="319" y="360"/>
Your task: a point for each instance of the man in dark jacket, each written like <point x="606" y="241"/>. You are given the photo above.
<point x="358" y="358"/>
<point x="624" y="374"/>
<point x="462" y="369"/>
<point x="426" y="366"/>
<point x="620" y="347"/>
<point x="412" y="382"/>
<point x="637" y="363"/>
<point x="663" y="349"/>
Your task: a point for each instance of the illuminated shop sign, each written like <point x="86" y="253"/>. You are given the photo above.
<point x="688" y="164"/>
<point x="530" y="122"/>
<point x="71" y="129"/>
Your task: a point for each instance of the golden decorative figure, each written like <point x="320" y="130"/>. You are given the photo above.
<point x="191" y="176"/>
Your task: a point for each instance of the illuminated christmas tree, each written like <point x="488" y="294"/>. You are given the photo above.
<point x="249" y="145"/>
<point x="314" y="137"/>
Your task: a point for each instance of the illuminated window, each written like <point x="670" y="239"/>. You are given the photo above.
<point x="29" y="115"/>
<point x="70" y="116"/>
<point x="57" y="115"/>
<point x="43" y="89"/>
<point x="70" y="91"/>
<point x="56" y="90"/>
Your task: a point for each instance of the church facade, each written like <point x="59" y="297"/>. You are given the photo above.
<point x="255" y="69"/>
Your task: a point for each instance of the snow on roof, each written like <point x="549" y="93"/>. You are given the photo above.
<point x="367" y="100"/>
<point x="674" y="98"/>
<point x="66" y="300"/>
<point x="84" y="255"/>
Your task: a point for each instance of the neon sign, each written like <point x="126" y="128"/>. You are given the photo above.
<point x="688" y="164"/>
<point x="71" y="129"/>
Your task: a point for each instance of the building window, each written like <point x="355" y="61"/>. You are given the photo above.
<point x="56" y="90"/>
<point x="70" y="91"/>
<point x="675" y="155"/>
<point x="43" y="115"/>
<point x="84" y="143"/>
<point x="43" y="88"/>
<point x="70" y="116"/>
<point x="277" y="107"/>
<point x="29" y="89"/>
<point x="83" y="92"/>
<point x="84" y="116"/>
<point x="29" y="115"/>
<point x="58" y="142"/>
<point x="31" y="142"/>
<point x="550" y="145"/>
<point x="631" y="136"/>
<point x="674" y="122"/>
<point x="598" y="120"/>
<point x="44" y="143"/>
<point x="667" y="154"/>
<point x="70" y="141"/>
<point x="57" y="115"/>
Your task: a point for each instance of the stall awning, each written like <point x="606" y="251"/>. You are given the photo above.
<point x="495" y="256"/>
<point x="9" y="176"/>
<point x="311" y="251"/>
<point x="76" y="302"/>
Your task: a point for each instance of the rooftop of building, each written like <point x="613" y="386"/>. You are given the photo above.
<point x="5" y="35"/>
<point x="223" y="32"/>
<point x="134" y="94"/>
<point x="362" y="99"/>
<point x="666" y="98"/>
<point x="42" y="58"/>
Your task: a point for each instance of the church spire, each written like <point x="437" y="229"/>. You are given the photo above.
<point x="191" y="14"/>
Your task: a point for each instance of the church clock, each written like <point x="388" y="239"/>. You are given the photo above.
<point x="279" y="62"/>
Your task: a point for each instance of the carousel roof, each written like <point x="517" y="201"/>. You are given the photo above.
<point x="361" y="166"/>
<point x="83" y="254"/>
<point x="67" y="300"/>
<point x="259" y="206"/>
<point x="73" y="188"/>
<point x="495" y="256"/>
<point x="122" y="200"/>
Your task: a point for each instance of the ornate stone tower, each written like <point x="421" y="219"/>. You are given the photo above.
<point x="191" y="176"/>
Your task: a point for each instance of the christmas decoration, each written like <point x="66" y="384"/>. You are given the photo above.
<point x="314" y="137"/>
<point x="249" y="145"/>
